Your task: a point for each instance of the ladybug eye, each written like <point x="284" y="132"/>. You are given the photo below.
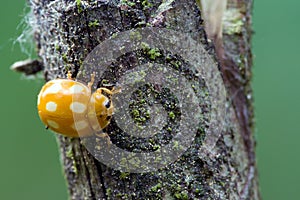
<point x="107" y="104"/>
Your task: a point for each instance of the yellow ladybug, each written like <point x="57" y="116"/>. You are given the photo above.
<point x="67" y="107"/>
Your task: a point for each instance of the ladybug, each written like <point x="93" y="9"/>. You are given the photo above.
<point x="69" y="108"/>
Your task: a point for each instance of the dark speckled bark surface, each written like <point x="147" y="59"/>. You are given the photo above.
<point x="64" y="36"/>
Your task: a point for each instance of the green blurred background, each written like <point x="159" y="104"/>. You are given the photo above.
<point x="30" y="166"/>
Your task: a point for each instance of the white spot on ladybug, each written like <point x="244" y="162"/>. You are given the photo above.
<point x="80" y="125"/>
<point x="77" y="107"/>
<point x="53" y="89"/>
<point x="53" y="124"/>
<point x="76" y="89"/>
<point x="51" y="106"/>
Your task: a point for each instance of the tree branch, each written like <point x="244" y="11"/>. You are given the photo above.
<point x="67" y="31"/>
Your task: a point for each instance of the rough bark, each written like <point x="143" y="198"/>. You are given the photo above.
<point x="65" y="34"/>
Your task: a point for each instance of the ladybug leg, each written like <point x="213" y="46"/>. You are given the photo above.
<point x="69" y="75"/>
<point x="115" y="91"/>
<point x="111" y="92"/>
<point x="91" y="81"/>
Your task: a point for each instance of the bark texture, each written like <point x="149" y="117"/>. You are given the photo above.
<point x="66" y="31"/>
